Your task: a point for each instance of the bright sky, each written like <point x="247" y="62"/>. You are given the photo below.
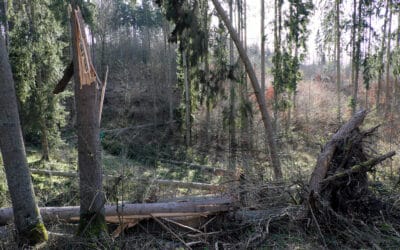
<point x="254" y="32"/>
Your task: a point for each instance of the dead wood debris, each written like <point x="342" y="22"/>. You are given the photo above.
<point x="340" y="199"/>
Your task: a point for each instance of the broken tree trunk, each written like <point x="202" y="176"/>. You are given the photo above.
<point x="133" y="211"/>
<point x="170" y="183"/>
<point x="325" y="157"/>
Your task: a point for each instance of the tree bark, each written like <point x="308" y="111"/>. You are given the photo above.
<point x="257" y="91"/>
<point x="232" y="104"/>
<point x="28" y="221"/>
<point x="92" y="221"/>
<point x="139" y="210"/>
<point x="387" y="87"/>
<point x="338" y="50"/>
<point x="188" y="101"/>
<point x="396" y="88"/>
<point x="381" y="63"/>
<point x="357" y="57"/>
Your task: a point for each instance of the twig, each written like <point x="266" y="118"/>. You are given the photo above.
<point x="318" y="227"/>
<point x="183" y="226"/>
<point x="172" y="232"/>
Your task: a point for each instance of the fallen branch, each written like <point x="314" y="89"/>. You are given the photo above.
<point x="209" y="169"/>
<point x="133" y="211"/>
<point x="161" y="182"/>
<point x="362" y="167"/>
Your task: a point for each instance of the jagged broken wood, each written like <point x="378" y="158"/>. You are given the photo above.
<point x="362" y="167"/>
<point x="170" y="183"/>
<point x="325" y="157"/>
<point x="134" y="211"/>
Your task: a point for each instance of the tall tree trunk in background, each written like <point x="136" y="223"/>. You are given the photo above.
<point x="27" y="219"/>
<point x="353" y="52"/>
<point x="381" y="62"/>
<point x="206" y="73"/>
<point x="368" y="56"/>
<point x="387" y="87"/>
<point x="396" y="88"/>
<point x="44" y="141"/>
<point x="269" y="132"/>
<point x="92" y="221"/>
<point x="278" y="58"/>
<point x="6" y="26"/>
<point x="167" y="69"/>
<point x="188" y="108"/>
<point x="357" y="57"/>
<point x="262" y="47"/>
<point x="232" y="100"/>
<point x="338" y="50"/>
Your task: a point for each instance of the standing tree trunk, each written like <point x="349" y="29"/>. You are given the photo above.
<point x="188" y="101"/>
<point x="357" y="57"/>
<point x="232" y="108"/>
<point x="338" y="49"/>
<point x="44" y="141"/>
<point x="396" y="88"/>
<point x="28" y="221"/>
<point x="269" y="132"/>
<point x="381" y="64"/>
<point x="262" y="47"/>
<point x="92" y="221"/>
<point x="387" y="87"/>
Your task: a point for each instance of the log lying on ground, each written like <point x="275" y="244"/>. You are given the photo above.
<point x="134" y="211"/>
<point x="208" y="169"/>
<point x="170" y="183"/>
<point x="362" y="167"/>
<point x="325" y="157"/>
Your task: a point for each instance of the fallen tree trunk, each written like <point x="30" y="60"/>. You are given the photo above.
<point x="325" y="157"/>
<point x="170" y="183"/>
<point x="209" y="169"/>
<point x="133" y="211"/>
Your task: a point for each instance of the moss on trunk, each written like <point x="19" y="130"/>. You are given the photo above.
<point x="92" y="225"/>
<point x="34" y="235"/>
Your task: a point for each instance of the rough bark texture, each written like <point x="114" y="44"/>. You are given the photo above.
<point x="141" y="210"/>
<point x="381" y="64"/>
<point x="90" y="173"/>
<point x="26" y="214"/>
<point x="388" y="62"/>
<point x="257" y="91"/>
<point x="325" y="157"/>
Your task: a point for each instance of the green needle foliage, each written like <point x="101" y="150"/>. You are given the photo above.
<point x="35" y="55"/>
